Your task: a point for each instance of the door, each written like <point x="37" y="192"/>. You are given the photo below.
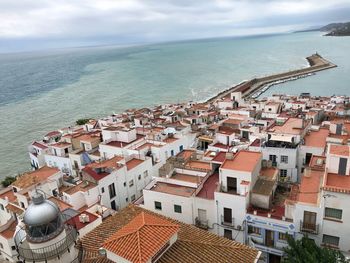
<point x="309" y="222"/>
<point x="308" y="158"/>
<point x="227" y="215"/>
<point x="339" y="129"/>
<point x="274" y="258"/>
<point x="342" y="166"/>
<point x="113" y="205"/>
<point x="202" y="215"/>
<point x="228" y="233"/>
<point x="269" y="238"/>
<point x="232" y="184"/>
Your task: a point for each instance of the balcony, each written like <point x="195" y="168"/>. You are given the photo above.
<point x="202" y="223"/>
<point x="227" y="221"/>
<point x="48" y="252"/>
<point x="307" y="227"/>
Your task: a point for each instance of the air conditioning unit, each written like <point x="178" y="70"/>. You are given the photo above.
<point x="84" y="218"/>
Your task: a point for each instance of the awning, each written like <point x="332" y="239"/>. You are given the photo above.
<point x="281" y="138"/>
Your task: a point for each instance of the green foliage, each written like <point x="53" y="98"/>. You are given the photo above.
<point x="306" y="251"/>
<point x="82" y="121"/>
<point x="8" y="180"/>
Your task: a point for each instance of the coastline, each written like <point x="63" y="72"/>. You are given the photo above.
<point x="250" y="87"/>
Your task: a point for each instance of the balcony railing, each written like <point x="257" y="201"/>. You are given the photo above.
<point x="227" y="221"/>
<point x="202" y="223"/>
<point x="48" y="252"/>
<point x="309" y="227"/>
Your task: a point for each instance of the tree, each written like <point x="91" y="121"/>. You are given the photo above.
<point x="82" y="121"/>
<point x="306" y="251"/>
<point x="8" y="180"/>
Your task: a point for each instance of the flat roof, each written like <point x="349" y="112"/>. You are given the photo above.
<point x="310" y="186"/>
<point x="290" y="126"/>
<point x="187" y="178"/>
<point x="243" y="161"/>
<point x="209" y="187"/>
<point x="82" y="187"/>
<point x="199" y="165"/>
<point x="316" y="138"/>
<point x="133" y="163"/>
<point x="173" y="189"/>
<point x="34" y="177"/>
<point x="342" y="150"/>
<point x="263" y="187"/>
<point x="337" y="183"/>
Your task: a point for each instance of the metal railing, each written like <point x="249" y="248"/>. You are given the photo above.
<point x="309" y="227"/>
<point x="48" y="252"/>
<point x="227" y="222"/>
<point x="202" y="223"/>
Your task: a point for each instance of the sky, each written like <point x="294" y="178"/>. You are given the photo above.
<point x="41" y="24"/>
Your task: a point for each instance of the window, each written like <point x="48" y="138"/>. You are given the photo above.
<point x="2" y="206"/>
<point x="157" y="205"/>
<point x="13" y="247"/>
<point x="131" y="183"/>
<point x="283" y="174"/>
<point x="330" y="240"/>
<point x="172" y="153"/>
<point x="145" y="173"/>
<point x="333" y="213"/>
<point x="111" y="189"/>
<point x="283" y="236"/>
<point x="284" y="159"/>
<point x="102" y="189"/>
<point x="133" y="198"/>
<point x="22" y="205"/>
<point x="139" y="177"/>
<point x="14" y="189"/>
<point x="228" y="233"/>
<point x="178" y="209"/>
<point x="254" y="230"/>
<point x="124" y="184"/>
<point x="127" y="199"/>
<point x="181" y="148"/>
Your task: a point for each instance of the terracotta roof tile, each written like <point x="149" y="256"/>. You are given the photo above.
<point x="141" y="238"/>
<point x="193" y="244"/>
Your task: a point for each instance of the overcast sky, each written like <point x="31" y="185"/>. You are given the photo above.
<point x="33" y="24"/>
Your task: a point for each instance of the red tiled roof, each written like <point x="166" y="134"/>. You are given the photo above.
<point x="193" y="244"/>
<point x="39" y="145"/>
<point x="141" y="239"/>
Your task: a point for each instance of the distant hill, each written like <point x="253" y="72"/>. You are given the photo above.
<point x="337" y="29"/>
<point x="333" y="29"/>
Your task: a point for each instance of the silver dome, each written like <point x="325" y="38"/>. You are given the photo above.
<point x="40" y="211"/>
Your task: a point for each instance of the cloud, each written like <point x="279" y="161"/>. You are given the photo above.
<point x="150" y="20"/>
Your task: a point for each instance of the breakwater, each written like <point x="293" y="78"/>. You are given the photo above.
<point x="254" y="87"/>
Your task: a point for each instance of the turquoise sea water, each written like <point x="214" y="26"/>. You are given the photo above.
<point x="43" y="91"/>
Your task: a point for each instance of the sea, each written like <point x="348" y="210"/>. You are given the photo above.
<point x="47" y="90"/>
